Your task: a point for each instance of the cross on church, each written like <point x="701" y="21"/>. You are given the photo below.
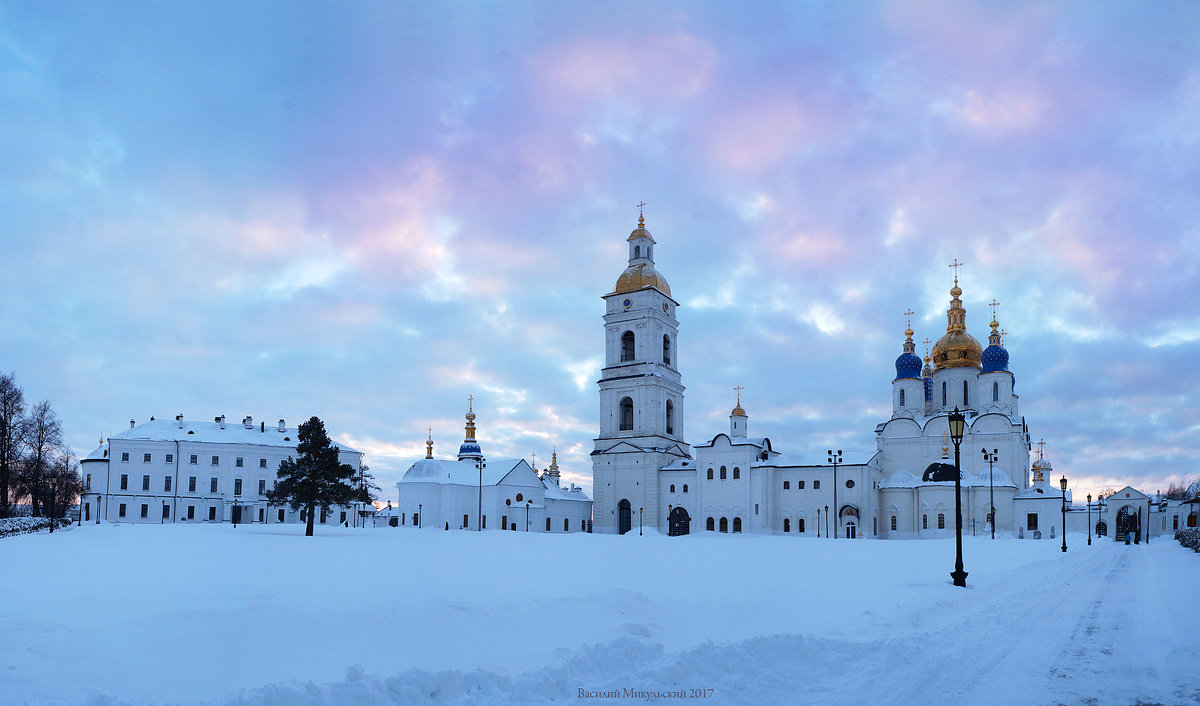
<point x="927" y="342"/>
<point x="956" y="265"/>
<point x="1041" y="449"/>
<point x="739" y="389"/>
<point x="994" y="304"/>
<point x="908" y="317"/>
<point x="533" y="463"/>
<point x="470" y="403"/>
<point x="1003" y="335"/>
<point x="641" y="214"/>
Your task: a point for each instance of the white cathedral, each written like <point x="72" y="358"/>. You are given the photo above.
<point x="646" y="474"/>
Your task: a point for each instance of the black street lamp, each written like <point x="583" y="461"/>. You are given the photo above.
<point x="991" y="458"/>
<point x="1063" y="484"/>
<point x="420" y="515"/>
<point x="819" y="523"/>
<point x="835" y="459"/>
<point x="826" y="522"/>
<point x="639" y="522"/>
<point x="479" y="466"/>
<point x="527" y="504"/>
<point x="957" y="423"/>
<point x="1089" y="499"/>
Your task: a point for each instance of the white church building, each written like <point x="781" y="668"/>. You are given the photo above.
<point x="646" y="474"/>
<point x="471" y="492"/>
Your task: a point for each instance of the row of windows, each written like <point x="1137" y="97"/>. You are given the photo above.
<point x="787" y="524"/>
<point x="737" y="473"/>
<point x="504" y="523"/>
<point x="626" y="415"/>
<point x="724" y="524"/>
<point x="628" y="349"/>
<point x="684" y="487"/>
<point x="195" y="458"/>
<point x="941" y="521"/>
<point x="965" y="396"/>
<point x="212" y="487"/>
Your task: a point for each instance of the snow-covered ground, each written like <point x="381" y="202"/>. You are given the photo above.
<point x="262" y="615"/>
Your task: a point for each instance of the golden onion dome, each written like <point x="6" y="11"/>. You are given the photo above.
<point x="637" y="277"/>
<point x="640" y="231"/>
<point x="957" y="349"/>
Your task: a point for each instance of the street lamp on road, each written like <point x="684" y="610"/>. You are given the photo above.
<point x="826" y="522"/>
<point x="957" y="424"/>
<point x="991" y="458"/>
<point x="1089" y="499"/>
<point x="639" y="522"/>
<point x="1063" y="484"/>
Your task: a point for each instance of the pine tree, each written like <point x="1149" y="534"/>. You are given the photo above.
<point x="316" y="478"/>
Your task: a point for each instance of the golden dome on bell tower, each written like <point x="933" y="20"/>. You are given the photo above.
<point x="956" y="349"/>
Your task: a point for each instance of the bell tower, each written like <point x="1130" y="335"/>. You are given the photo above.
<point x="641" y="394"/>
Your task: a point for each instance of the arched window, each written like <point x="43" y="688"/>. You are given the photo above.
<point x="670" y="417"/>
<point x="966" y="396"/>
<point x="995" y="392"/>
<point x="737" y="524"/>
<point x="709" y="524"/>
<point x="626" y="414"/>
<point x="901" y="397"/>
<point x="627" y="346"/>
<point x="637" y="251"/>
<point x="943" y="384"/>
<point x="520" y="497"/>
<point x="566" y="525"/>
<point x="650" y="252"/>
<point x="672" y="487"/>
<point x="685" y="487"/>
<point x="941" y="521"/>
<point x="710" y="474"/>
<point x="737" y="472"/>
<point x="800" y="524"/>
<point x="722" y="473"/>
<point x="787" y="525"/>
<point x="547" y="524"/>
<point x="924" y="521"/>
<point x="666" y="350"/>
<point x="893" y="523"/>
<point x="724" y="524"/>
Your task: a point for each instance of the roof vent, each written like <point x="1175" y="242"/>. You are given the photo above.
<point x="221" y="420"/>
<point x="248" y="422"/>
<point x="132" y="424"/>
<point x="281" y="426"/>
<point x="179" y="420"/>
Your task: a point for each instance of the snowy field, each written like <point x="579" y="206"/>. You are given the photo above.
<point x="262" y="615"/>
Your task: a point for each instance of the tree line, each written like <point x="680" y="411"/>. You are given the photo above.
<point x="37" y="467"/>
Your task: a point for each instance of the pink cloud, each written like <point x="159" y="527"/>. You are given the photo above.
<point x="674" y="65"/>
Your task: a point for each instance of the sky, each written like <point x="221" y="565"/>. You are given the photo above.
<point x="368" y="212"/>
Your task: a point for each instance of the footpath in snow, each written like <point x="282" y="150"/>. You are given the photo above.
<point x="262" y="615"/>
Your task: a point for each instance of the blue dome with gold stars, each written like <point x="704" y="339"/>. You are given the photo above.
<point x="994" y="359"/>
<point x="908" y="365"/>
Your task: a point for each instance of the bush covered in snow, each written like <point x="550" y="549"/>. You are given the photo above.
<point x="20" y="525"/>
<point x="1189" y="537"/>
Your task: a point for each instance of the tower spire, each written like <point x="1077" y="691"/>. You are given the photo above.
<point x="956" y="316"/>
<point x="429" y="444"/>
<point x="470" y="447"/>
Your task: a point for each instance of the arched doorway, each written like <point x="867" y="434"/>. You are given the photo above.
<point x="849" y="517"/>
<point x="624" y="516"/>
<point x="678" y="522"/>
<point x="1127" y="524"/>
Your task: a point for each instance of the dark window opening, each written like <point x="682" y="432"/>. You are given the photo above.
<point x="627" y="347"/>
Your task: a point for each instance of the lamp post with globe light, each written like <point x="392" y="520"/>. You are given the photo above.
<point x="1063" y="484"/>
<point x="957" y="424"/>
<point x="991" y="459"/>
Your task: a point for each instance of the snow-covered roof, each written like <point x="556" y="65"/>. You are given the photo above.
<point x="554" y="492"/>
<point x="760" y="442"/>
<point x="211" y="432"/>
<point x="454" y="472"/>
<point x="849" y="458"/>
<point x="900" y="479"/>
<point x="100" y="453"/>
<point x="1040" y="489"/>
<point x="999" y="479"/>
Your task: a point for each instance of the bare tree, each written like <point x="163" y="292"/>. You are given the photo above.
<point x="62" y="484"/>
<point x="43" y="440"/>
<point x="1177" y="491"/>
<point x="12" y="423"/>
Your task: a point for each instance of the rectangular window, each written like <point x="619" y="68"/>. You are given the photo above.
<point x="212" y="486"/>
<point x="483" y="524"/>
<point x="145" y="510"/>
<point x="504" y="522"/>
<point x="464" y="521"/>
<point x="262" y="487"/>
<point x="260" y="514"/>
<point x="192" y="484"/>
<point x="237" y="486"/>
<point x="194" y="460"/>
<point x="799" y="485"/>
<point x="212" y="513"/>
<point x="166" y="484"/>
<point x="124" y="481"/>
<point x="786" y="485"/>
<point x="281" y="515"/>
<point x="216" y="460"/>
<point x="191" y="512"/>
<point x="238" y="462"/>
<point x="800" y="525"/>
<point x="262" y="463"/>
<point x="343" y="520"/>
<point x="145" y="458"/>
<point x="1031" y="521"/>
<point x="816" y="485"/>
<point x="145" y="482"/>
<point x="166" y="511"/>
<point x="755" y="508"/>
<point x="89" y="482"/>
<point x="1175" y="523"/>
<point x="121" y="510"/>
<point x="125" y="457"/>
<point x="169" y="458"/>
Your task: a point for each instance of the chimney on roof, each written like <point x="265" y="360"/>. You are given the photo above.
<point x="132" y="424"/>
<point x="281" y="426"/>
<point x="262" y="427"/>
<point x="221" y="421"/>
<point x="179" y="420"/>
<point x="248" y="422"/>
